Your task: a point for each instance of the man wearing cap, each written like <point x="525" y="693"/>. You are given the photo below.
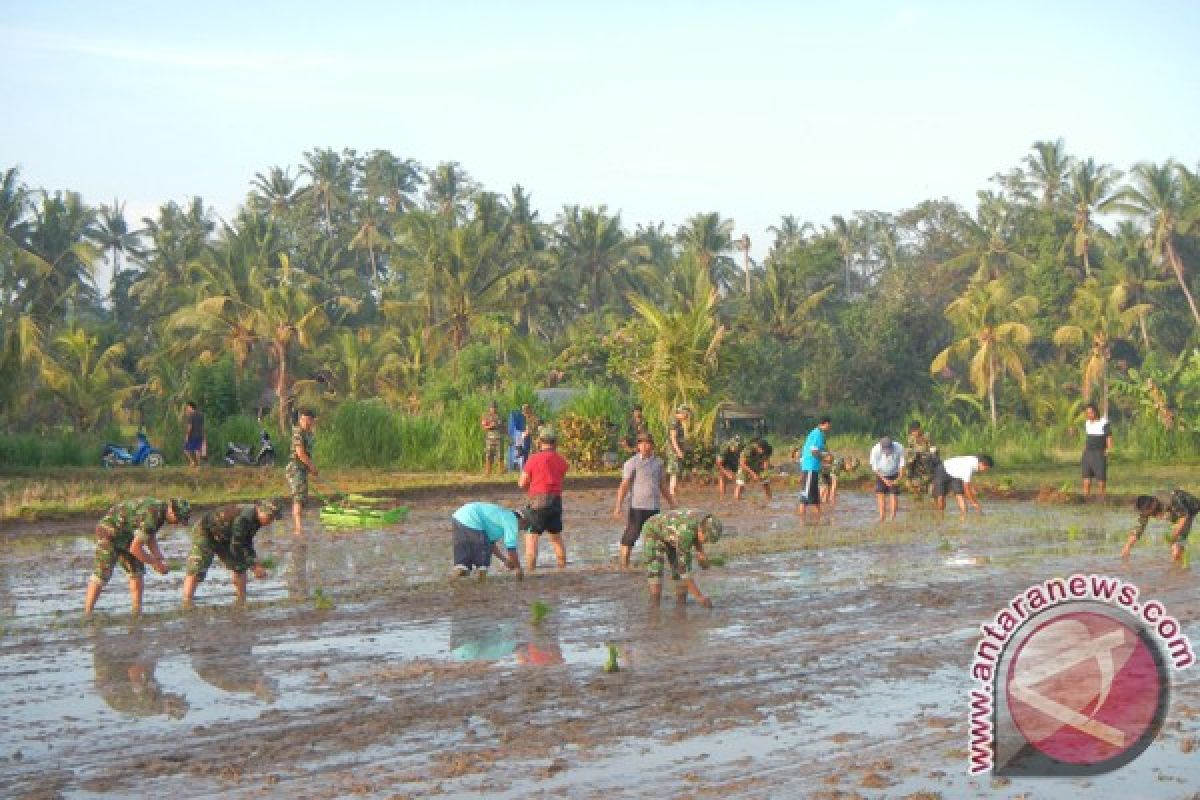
<point x="300" y="465"/>
<point x="128" y="533"/>
<point x="674" y="536"/>
<point x="677" y="447"/>
<point x="1178" y="507"/>
<point x="228" y="533"/>
<point x="645" y="475"/>
<point x="479" y="528"/>
<point x="887" y="459"/>
<point x="542" y="477"/>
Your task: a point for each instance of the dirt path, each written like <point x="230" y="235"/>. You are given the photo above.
<point x="838" y="671"/>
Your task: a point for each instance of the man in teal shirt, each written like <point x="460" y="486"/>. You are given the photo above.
<point x="811" y="456"/>
<point x="479" y="528"/>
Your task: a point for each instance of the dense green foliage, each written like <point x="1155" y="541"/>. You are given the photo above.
<point x="400" y="299"/>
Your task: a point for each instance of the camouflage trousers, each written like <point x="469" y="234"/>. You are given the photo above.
<point x="297" y="481"/>
<point x="491" y="447"/>
<point x="656" y="550"/>
<point x="204" y="548"/>
<point x="918" y="474"/>
<point x="111" y="548"/>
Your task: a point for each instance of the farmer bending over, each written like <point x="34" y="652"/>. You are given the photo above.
<point x="479" y="528"/>
<point x="1179" y="507"/>
<point x="228" y="533"/>
<point x="676" y="535"/>
<point x="128" y="533"/>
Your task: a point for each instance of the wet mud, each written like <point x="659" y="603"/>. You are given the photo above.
<point x="834" y="664"/>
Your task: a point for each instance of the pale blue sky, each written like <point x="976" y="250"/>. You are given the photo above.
<point x="657" y="109"/>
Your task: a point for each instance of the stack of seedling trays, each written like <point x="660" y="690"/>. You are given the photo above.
<point x="360" y="511"/>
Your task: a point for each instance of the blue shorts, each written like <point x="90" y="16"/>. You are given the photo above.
<point x="194" y="445"/>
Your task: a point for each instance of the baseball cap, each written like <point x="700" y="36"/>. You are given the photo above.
<point x="547" y="433"/>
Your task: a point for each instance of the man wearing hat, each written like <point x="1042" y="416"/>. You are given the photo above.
<point x="301" y="465"/>
<point x="228" y="533"/>
<point x="645" y="475"/>
<point x="542" y="477"/>
<point x="128" y="533"/>
<point x="887" y="460"/>
<point x="677" y="446"/>
<point x="675" y="535"/>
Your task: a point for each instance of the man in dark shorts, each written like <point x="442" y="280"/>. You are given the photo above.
<point x="228" y="534"/>
<point x="953" y="476"/>
<point x="194" y="447"/>
<point x="542" y="477"/>
<point x="812" y="454"/>
<point x="728" y="461"/>
<point x="1178" y="507"/>
<point x="645" y="474"/>
<point x="673" y="537"/>
<point x="479" y="529"/>
<point x="1098" y="442"/>
<point x="128" y="534"/>
<point x="887" y="460"/>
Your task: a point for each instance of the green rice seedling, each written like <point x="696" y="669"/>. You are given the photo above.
<point x="538" y="611"/>
<point x="1074" y="532"/>
<point x="322" y="601"/>
<point x="176" y="564"/>
<point x="268" y="562"/>
<point x="944" y="546"/>
<point x="611" y="664"/>
<point x="716" y="561"/>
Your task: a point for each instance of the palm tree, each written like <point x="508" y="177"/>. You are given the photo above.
<point x="787" y="306"/>
<point x="986" y="317"/>
<point x="331" y="179"/>
<point x="391" y="179"/>
<point x="448" y="187"/>
<point x="1126" y="263"/>
<point x="362" y="360"/>
<point x="986" y="241"/>
<point x="1047" y="169"/>
<point x="1093" y="188"/>
<point x="710" y="237"/>
<point x="1101" y="314"/>
<point x="276" y="189"/>
<point x="113" y="235"/>
<point x="847" y="235"/>
<point x="89" y="382"/>
<point x="61" y="254"/>
<point x="370" y="236"/>
<point x="789" y="232"/>
<point x="177" y="237"/>
<point x="596" y="253"/>
<point x="1159" y="197"/>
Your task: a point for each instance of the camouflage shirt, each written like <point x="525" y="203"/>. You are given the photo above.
<point x="135" y="520"/>
<point x="305" y="441"/>
<point x="919" y="442"/>
<point x="1177" y="505"/>
<point x="233" y="526"/>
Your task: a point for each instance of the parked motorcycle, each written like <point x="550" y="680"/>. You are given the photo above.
<point x="141" y="454"/>
<point x="237" y="455"/>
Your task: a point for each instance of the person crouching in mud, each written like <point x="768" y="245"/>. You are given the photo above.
<point x="674" y="536"/>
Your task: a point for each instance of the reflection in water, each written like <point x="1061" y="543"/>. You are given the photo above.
<point x="297" y="570"/>
<point x="225" y="659"/>
<point x="539" y="653"/>
<point x="124" y="665"/>
<point x="482" y="640"/>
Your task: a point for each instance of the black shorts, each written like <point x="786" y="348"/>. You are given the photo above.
<point x="547" y="519"/>
<point x="944" y="484"/>
<point x="471" y="548"/>
<point x="634" y="521"/>
<point x="810" y="488"/>
<point x="883" y="488"/>
<point x="1095" y="464"/>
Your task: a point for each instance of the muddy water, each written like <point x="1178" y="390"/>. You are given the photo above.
<point x="835" y="671"/>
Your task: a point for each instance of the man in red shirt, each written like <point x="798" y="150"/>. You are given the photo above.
<point x="542" y="478"/>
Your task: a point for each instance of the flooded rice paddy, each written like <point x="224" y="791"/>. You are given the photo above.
<point x="835" y="663"/>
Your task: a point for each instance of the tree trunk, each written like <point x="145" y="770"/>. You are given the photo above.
<point x="281" y="386"/>
<point x="1177" y="267"/>
<point x="1145" y="335"/>
<point x="992" y="388"/>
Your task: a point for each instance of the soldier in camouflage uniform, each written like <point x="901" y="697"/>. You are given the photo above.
<point x="833" y="467"/>
<point x="677" y="447"/>
<point x="755" y="465"/>
<point x="301" y="465"/>
<point x="493" y="438"/>
<point x="675" y="535"/>
<point x="922" y="462"/>
<point x="1178" y="507"/>
<point x="128" y="533"/>
<point x="228" y="533"/>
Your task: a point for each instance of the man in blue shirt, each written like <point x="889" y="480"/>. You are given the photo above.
<point x="811" y="456"/>
<point x="478" y="530"/>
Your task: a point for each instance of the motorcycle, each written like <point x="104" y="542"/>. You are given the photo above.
<point x="142" y="454"/>
<point x="237" y="455"/>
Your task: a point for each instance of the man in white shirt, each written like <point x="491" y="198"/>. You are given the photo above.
<point x="954" y="475"/>
<point x="1098" y="442"/>
<point x="887" y="459"/>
